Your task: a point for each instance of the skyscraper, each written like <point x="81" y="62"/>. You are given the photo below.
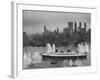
<point x="85" y="26"/>
<point x="75" y="27"/>
<point x="57" y="30"/>
<point x="45" y="30"/>
<point x="80" y="26"/>
<point x="70" y="26"/>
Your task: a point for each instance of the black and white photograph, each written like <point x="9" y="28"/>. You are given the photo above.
<point x="56" y="39"/>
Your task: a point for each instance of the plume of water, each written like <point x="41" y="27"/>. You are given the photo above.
<point x="53" y="48"/>
<point x="49" y="48"/>
<point x="37" y="57"/>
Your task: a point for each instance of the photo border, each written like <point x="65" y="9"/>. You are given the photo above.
<point x="17" y="41"/>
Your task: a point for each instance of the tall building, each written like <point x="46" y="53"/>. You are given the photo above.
<point x="80" y="26"/>
<point x="70" y="26"/>
<point x="45" y="30"/>
<point x="24" y="35"/>
<point x="75" y="27"/>
<point x="57" y="30"/>
<point x="65" y="30"/>
<point x="25" y="39"/>
<point x="85" y="26"/>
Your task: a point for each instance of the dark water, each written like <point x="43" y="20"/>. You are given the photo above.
<point x="50" y="63"/>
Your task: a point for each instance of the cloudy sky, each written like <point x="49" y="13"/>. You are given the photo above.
<point x="34" y="21"/>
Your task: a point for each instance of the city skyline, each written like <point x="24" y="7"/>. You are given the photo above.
<point x="73" y="27"/>
<point x="34" y="21"/>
